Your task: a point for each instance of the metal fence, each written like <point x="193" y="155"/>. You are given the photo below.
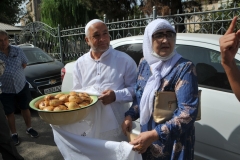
<point x="69" y="43"/>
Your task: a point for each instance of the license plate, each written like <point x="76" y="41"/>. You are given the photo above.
<point x="53" y="89"/>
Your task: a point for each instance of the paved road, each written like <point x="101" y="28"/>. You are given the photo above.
<point x="41" y="148"/>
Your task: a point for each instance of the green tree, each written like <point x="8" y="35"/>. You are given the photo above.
<point x="76" y="12"/>
<point x="9" y="11"/>
<point x="221" y="27"/>
<point x="114" y="9"/>
<point x="169" y="7"/>
<point x="66" y="13"/>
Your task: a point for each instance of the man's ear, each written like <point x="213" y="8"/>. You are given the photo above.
<point x="86" y="39"/>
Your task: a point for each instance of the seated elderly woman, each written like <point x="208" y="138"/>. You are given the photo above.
<point x="163" y="69"/>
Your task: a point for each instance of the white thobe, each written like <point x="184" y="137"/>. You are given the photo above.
<point x="114" y="70"/>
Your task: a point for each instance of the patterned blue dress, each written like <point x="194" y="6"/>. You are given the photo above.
<point x="176" y="136"/>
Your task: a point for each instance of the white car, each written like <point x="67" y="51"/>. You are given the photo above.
<point x="218" y="131"/>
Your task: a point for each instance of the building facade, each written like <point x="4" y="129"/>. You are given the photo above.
<point x="33" y="12"/>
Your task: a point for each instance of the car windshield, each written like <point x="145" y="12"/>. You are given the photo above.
<point x="36" y="56"/>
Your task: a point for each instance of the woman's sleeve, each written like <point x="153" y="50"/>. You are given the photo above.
<point x="186" y="89"/>
<point x="134" y="109"/>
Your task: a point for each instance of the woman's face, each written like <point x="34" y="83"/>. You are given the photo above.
<point x="163" y="42"/>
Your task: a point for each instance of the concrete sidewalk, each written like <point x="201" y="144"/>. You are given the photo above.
<point x="41" y="148"/>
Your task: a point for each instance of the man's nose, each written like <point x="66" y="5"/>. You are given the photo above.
<point x="102" y="37"/>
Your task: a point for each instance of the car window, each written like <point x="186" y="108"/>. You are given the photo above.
<point x="208" y="66"/>
<point x="133" y="50"/>
<point x="36" y="55"/>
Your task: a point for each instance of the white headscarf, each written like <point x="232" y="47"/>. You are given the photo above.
<point x="160" y="67"/>
<point x="91" y="23"/>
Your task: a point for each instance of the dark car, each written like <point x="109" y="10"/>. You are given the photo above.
<point x="43" y="73"/>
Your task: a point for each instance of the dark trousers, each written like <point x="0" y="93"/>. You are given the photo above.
<point x="7" y="147"/>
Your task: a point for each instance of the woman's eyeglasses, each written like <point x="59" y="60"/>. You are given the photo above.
<point x="161" y="35"/>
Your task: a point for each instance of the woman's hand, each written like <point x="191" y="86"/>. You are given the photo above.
<point x="144" y="140"/>
<point x="127" y="125"/>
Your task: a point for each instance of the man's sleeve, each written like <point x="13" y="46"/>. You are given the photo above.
<point x="77" y="77"/>
<point x="2" y="67"/>
<point x="23" y="56"/>
<point x="126" y="94"/>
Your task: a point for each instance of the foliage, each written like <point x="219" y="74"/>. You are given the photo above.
<point x="114" y="9"/>
<point x="192" y="6"/>
<point x="64" y="12"/>
<point x="75" y="12"/>
<point x="221" y="27"/>
<point x="9" y="11"/>
<point x="163" y="7"/>
<point x="170" y="7"/>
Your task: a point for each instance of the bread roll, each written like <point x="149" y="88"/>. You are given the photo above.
<point x="58" y="95"/>
<point x="48" y="97"/>
<point x="75" y="98"/>
<point x="48" y="108"/>
<point x="87" y="99"/>
<point x="55" y="102"/>
<point x="37" y="103"/>
<point x="43" y="104"/>
<point x="83" y="94"/>
<point x="72" y="105"/>
<point x="83" y="104"/>
<point x="57" y="109"/>
<point x="72" y="93"/>
<point x="62" y="107"/>
<point x="64" y="98"/>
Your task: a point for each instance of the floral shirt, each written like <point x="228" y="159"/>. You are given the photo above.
<point x="176" y="136"/>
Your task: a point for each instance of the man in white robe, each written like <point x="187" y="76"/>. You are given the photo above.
<point x="110" y="74"/>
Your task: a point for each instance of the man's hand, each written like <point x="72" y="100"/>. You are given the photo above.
<point x="229" y="44"/>
<point x="107" y="97"/>
<point x="127" y="125"/>
<point x="24" y="65"/>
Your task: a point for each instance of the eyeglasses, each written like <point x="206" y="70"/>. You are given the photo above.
<point x="161" y="35"/>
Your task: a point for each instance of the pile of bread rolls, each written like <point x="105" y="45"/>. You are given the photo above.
<point x="62" y="102"/>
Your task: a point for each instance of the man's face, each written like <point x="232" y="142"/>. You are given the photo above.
<point x="98" y="37"/>
<point x="4" y="42"/>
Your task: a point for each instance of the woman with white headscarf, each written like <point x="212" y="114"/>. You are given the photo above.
<point x="163" y="69"/>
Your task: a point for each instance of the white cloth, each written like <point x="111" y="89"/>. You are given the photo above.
<point x="91" y="90"/>
<point x="91" y="23"/>
<point x="152" y="27"/>
<point x="159" y="70"/>
<point x="160" y="67"/>
<point x="101" y="129"/>
<point x="75" y="147"/>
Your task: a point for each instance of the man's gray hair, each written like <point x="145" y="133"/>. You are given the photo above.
<point x="3" y="32"/>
